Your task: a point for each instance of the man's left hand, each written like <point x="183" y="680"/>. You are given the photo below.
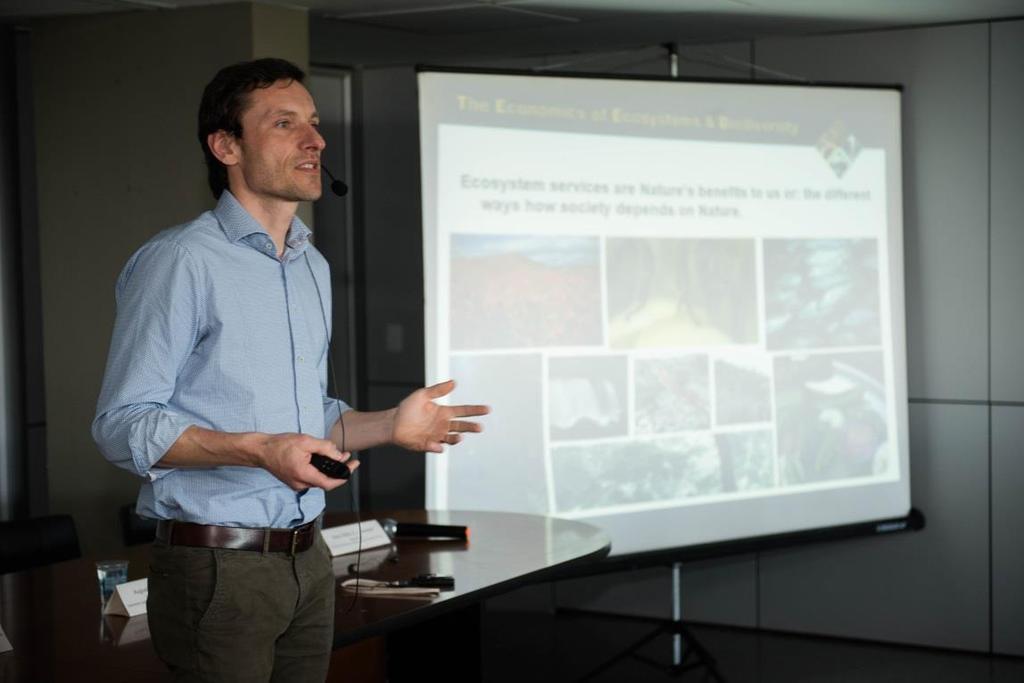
<point x="419" y="424"/>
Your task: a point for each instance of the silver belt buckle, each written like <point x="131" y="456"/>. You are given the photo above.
<point x="295" y="541"/>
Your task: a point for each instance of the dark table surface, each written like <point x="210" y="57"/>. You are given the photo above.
<point x="52" y="615"/>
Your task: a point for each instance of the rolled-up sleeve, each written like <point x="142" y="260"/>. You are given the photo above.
<point x="158" y="322"/>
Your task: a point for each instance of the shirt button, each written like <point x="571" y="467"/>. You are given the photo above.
<point x="269" y="247"/>
<point x="300" y="359"/>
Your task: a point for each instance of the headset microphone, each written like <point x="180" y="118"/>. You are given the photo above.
<point x="338" y="187"/>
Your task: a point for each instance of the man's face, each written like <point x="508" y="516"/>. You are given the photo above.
<point x="278" y="155"/>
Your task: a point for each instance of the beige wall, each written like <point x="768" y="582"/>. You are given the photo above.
<point x="116" y="99"/>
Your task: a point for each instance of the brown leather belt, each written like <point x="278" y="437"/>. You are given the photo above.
<point x="289" y="541"/>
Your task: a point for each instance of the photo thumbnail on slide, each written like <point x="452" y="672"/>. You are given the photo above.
<point x="614" y="474"/>
<point x="672" y="394"/>
<point x="831" y="417"/>
<point x="511" y="291"/>
<point x="587" y="397"/>
<point x="746" y="460"/>
<point x="681" y="292"/>
<point x="688" y="466"/>
<point x="822" y="293"/>
<point x="743" y="386"/>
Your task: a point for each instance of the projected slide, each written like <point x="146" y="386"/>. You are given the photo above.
<point x="684" y="302"/>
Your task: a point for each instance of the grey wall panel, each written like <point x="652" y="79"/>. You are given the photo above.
<point x="1007" y="522"/>
<point x="1007" y="211"/>
<point x="790" y="659"/>
<point x="928" y="587"/>
<point x="721" y="60"/>
<point x="643" y="592"/>
<point x="721" y="591"/>
<point x="1007" y="370"/>
<point x="519" y="638"/>
<point x="12" y="463"/>
<point x="390" y="230"/>
<point x="945" y="75"/>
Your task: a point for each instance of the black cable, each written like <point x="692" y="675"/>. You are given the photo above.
<point x="341" y="421"/>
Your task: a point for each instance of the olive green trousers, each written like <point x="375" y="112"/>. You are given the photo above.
<point x="238" y="615"/>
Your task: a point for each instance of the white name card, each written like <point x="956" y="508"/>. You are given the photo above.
<point x="342" y="540"/>
<point x="370" y="561"/>
<point x="128" y="599"/>
<point x="5" y="645"/>
<point x="126" y="631"/>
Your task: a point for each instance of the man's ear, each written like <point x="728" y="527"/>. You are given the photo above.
<point x="224" y="146"/>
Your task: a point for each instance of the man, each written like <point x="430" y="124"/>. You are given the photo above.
<point x="215" y="394"/>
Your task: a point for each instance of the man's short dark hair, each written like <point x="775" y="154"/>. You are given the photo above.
<point x="224" y="101"/>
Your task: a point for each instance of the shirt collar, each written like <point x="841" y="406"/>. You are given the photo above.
<point x="239" y="226"/>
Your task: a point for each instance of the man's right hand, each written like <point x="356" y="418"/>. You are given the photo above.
<point x="287" y="457"/>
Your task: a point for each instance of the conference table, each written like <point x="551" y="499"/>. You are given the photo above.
<point x="52" y="615"/>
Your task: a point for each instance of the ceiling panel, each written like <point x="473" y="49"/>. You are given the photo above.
<point x="376" y="7"/>
<point x="464" y="20"/>
<point x="700" y="17"/>
<point x="916" y="11"/>
<point x="44" y="8"/>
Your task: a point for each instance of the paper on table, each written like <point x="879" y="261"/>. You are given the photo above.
<point x="382" y="589"/>
<point x="128" y="599"/>
<point x="342" y="540"/>
<point x="5" y="645"/>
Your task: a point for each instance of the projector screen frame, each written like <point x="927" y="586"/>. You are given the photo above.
<point x="914" y="519"/>
<point x="551" y="73"/>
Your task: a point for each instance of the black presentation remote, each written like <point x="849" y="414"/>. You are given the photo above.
<point x="330" y="467"/>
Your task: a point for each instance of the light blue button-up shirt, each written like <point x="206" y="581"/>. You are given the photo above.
<point x="214" y="330"/>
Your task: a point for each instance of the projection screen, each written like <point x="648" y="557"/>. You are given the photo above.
<point x="683" y="301"/>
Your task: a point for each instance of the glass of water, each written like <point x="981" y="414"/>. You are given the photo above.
<point x="110" y="573"/>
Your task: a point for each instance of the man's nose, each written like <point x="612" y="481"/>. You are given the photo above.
<point x="314" y="140"/>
